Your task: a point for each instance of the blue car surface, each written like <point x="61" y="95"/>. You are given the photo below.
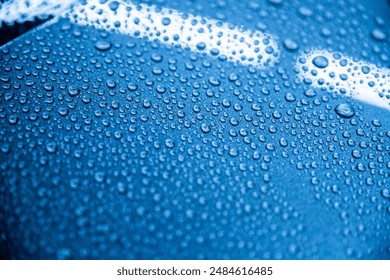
<point x="197" y="130"/>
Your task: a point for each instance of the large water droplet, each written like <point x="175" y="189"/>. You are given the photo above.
<point x="73" y="91"/>
<point x="344" y="110"/>
<point x="102" y="45"/>
<point x="378" y="34"/>
<point x="320" y="61"/>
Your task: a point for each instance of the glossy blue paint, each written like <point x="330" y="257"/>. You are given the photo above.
<point x="116" y="147"/>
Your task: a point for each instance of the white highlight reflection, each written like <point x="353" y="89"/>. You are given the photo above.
<point x="357" y="79"/>
<point x="23" y="10"/>
<point x="171" y="27"/>
<point x="342" y="74"/>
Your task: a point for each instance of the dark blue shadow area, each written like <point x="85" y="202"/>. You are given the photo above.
<point x="143" y="151"/>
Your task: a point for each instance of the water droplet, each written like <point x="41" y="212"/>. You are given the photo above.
<point x="147" y="103"/>
<point x="205" y="128"/>
<point x="214" y="81"/>
<point x="201" y="46"/>
<point x="63" y="111"/>
<point x="51" y="147"/>
<point x="110" y="84"/>
<point x="99" y="176"/>
<point x="283" y="142"/>
<point x="320" y="61"/>
<point x="385" y="193"/>
<point x="73" y="91"/>
<point x="310" y="93"/>
<point x="290" y="44"/>
<point x="290" y="97"/>
<point x="378" y="35"/>
<point x="103" y="45"/>
<point x="344" y="110"/>
<point x="169" y="143"/>
<point x="166" y="21"/>
<point x="13" y="119"/>
<point x="157" y="57"/>
<point x="376" y="123"/>
<point x="5" y="148"/>
<point x="132" y="87"/>
<point x="305" y="11"/>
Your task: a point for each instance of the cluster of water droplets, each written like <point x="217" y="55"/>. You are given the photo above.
<point x="334" y="72"/>
<point x="172" y="27"/>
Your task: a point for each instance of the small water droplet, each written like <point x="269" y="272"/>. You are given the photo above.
<point x="51" y="147"/>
